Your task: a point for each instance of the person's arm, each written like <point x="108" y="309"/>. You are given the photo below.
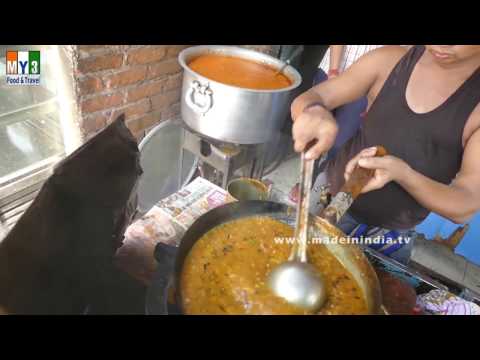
<point x="457" y="202"/>
<point x="336" y="55"/>
<point x="311" y="110"/>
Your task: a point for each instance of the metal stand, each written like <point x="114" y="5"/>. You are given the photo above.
<point x="180" y="160"/>
<point x="225" y="158"/>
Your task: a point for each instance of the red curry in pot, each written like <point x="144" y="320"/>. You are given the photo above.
<point x="239" y="72"/>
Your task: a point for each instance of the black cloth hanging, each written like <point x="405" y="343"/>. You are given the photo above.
<point x="59" y="256"/>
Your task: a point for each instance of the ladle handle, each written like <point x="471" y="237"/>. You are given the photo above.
<point x="342" y="201"/>
<point x="299" y="252"/>
<point x="289" y="60"/>
<point x="299" y="249"/>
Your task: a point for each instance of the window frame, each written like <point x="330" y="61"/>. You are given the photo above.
<point x="19" y="188"/>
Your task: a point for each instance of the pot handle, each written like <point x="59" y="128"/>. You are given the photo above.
<point x="198" y="90"/>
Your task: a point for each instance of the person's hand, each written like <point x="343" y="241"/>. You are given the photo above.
<point x="314" y="125"/>
<point x="333" y="73"/>
<point x="387" y="168"/>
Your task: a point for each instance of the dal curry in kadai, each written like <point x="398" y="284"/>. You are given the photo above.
<point x="239" y="72"/>
<point x="226" y="270"/>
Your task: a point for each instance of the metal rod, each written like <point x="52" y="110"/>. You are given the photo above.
<point x="301" y="224"/>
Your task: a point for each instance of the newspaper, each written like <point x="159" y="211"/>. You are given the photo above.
<point x="166" y="222"/>
<point x="188" y="204"/>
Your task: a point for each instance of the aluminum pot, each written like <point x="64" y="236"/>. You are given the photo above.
<point x="232" y="114"/>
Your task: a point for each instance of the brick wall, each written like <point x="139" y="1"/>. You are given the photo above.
<point x="143" y="81"/>
<point x="267" y="49"/>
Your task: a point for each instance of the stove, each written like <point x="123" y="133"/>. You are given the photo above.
<point x="225" y="159"/>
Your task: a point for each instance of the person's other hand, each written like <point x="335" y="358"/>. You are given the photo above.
<point x="387" y="168"/>
<point x="314" y="125"/>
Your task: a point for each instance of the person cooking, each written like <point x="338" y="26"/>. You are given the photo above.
<point x="423" y="107"/>
<point x="336" y="60"/>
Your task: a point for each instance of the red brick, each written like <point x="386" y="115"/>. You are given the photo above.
<point x="172" y="112"/>
<point x="174" y="50"/>
<point x="132" y="110"/>
<point x="97" y="63"/>
<point x="150" y="119"/>
<point x="145" y="90"/>
<point x="266" y="49"/>
<point x="90" y="85"/>
<point x="164" y="100"/>
<point x="90" y="47"/>
<point x="140" y="124"/>
<point x="163" y="68"/>
<point x="173" y="82"/>
<point x="98" y="47"/>
<point x="126" y="77"/>
<point x="93" y="123"/>
<point x="95" y="50"/>
<point x="101" y="102"/>
<point x="130" y="47"/>
<point x="146" y="55"/>
<point x="134" y="126"/>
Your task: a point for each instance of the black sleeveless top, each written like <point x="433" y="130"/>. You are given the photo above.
<point x="431" y="143"/>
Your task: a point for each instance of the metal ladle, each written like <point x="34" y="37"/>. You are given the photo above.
<point x="290" y="58"/>
<point x="295" y="280"/>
